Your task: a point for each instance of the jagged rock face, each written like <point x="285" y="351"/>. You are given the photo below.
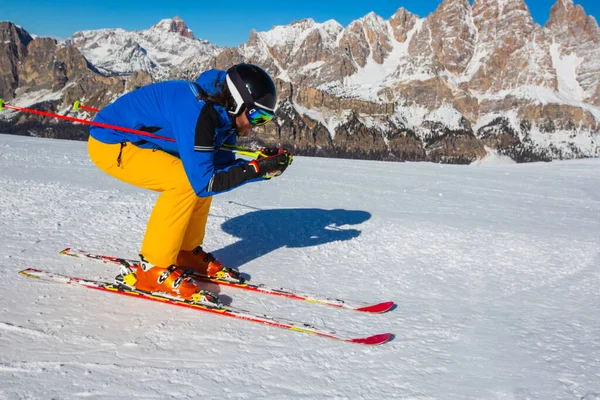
<point x="575" y="37"/>
<point x="499" y="135"/>
<point x="300" y="43"/>
<point x="13" y="48"/>
<point x="402" y="22"/>
<point x="40" y="71"/>
<point x="421" y="63"/>
<point x="137" y="80"/>
<point x="50" y="66"/>
<point x="570" y="23"/>
<point x="508" y="42"/>
<point x="456" y="147"/>
<point x="316" y="99"/>
<point x="406" y="146"/>
<point x="453" y="35"/>
<point x="558" y="117"/>
<point x="41" y="65"/>
<point x="304" y="50"/>
<point x="367" y="37"/>
<point x="292" y="131"/>
<point x="354" y="137"/>
<point x="353" y="41"/>
<point x="540" y="135"/>
<point x="445" y="41"/>
<point x="434" y="92"/>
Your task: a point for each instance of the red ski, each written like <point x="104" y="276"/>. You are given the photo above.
<point x="261" y="288"/>
<point x="224" y="311"/>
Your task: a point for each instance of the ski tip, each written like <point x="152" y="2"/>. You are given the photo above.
<point x="373" y="340"/>
<point x="378" y="308"/>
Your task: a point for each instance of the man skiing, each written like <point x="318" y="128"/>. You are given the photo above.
<point x="183" y="160"/>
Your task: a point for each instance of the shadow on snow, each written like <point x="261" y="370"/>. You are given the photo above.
<point x="263" y="231"/>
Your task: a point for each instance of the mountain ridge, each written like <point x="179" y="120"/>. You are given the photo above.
<point x="505" y="82"/>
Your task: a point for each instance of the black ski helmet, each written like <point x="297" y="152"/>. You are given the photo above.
<point x="251" y="86"/>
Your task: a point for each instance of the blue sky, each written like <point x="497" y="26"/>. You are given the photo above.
<point x="224" y="23"/>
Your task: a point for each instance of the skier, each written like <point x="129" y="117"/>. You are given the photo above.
<point x="198" y="118"/>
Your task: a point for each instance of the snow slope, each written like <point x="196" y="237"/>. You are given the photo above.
<point x="495" y="269"/>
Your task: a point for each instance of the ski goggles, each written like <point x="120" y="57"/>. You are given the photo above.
<point x="258" y="116"/>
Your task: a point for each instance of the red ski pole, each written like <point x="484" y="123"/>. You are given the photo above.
<point x="236" y="149"/>
<point x="78" y="105"/>
<point x="83" y="121"/>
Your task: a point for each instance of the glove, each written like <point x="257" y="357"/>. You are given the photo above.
<point x="274" y="165"/>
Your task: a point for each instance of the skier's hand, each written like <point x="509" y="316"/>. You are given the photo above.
<point x="272" y="166"/>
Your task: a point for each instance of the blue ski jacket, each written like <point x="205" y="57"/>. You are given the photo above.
<point x="175" y="110"/>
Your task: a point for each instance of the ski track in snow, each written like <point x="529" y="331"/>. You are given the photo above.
<point x="495" y="270"/>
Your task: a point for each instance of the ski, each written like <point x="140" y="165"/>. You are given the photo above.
<point x="222" y="310"/>
<point x="261" y="288"/>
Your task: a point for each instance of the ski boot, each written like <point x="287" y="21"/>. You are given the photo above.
<point x="203" y="263"/>
<point x="172" y="281"/>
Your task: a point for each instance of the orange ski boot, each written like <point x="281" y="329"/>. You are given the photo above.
<point x="171" y="280"/>
<point x="204" y="263"/>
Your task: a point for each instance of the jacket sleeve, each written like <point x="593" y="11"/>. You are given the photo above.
<point x="197" y="154"/>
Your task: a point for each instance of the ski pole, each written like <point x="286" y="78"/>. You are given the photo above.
<point x="236" y="149"/>
<point x="85" y="121"/>
<point x="243" y="151"/>
<point x="228" y="147"/>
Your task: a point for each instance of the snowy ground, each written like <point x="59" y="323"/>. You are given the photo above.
<point x="494" y="267"/>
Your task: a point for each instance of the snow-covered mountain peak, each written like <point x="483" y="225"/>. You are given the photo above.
<point x="371" y="22"/>
<point x="371" y="17"/>
<point x="402" y="13"/>
<point x="155" y="50"/>
<point x="293" y="36"/>
<point x="477" y="62"/>
<point x="173" y="25"/>
<point x="402" y="22"/>
<point x="332" y="26"/>
<point x="305" y="23"/>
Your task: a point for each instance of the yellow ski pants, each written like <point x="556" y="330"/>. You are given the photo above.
<point x="178" y="220"/>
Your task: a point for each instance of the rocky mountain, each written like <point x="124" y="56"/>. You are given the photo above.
<point x="155" y="51"/>
<point x="439" y="88"/>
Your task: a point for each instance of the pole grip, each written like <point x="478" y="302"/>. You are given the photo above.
<point x="1" y="104"/>
<point x="77" y="105"/>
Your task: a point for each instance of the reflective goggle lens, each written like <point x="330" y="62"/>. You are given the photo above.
<point x="258" y="116"/>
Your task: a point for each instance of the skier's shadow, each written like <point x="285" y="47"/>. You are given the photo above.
<point x="261" y="232"/>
